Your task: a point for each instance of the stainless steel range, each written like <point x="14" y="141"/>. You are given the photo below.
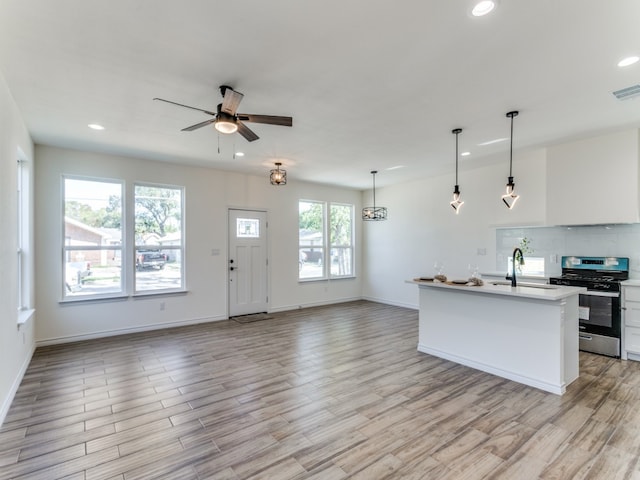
<point x="600" y="312"/>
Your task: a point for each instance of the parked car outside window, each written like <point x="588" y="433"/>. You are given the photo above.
<point x="150" y="259"/>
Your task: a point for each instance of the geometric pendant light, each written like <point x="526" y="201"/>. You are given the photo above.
<point x="278" y="176"/>
<point x="510" y="198"/>
<point x="374" y="213"/>
<point x="456" y="203"/>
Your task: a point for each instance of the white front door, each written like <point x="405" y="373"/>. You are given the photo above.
<point x="247" y="262"/>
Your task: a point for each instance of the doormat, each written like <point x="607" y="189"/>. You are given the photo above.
<point x="254" y="317"/>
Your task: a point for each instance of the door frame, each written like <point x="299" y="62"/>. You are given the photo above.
<point x="267" y="255"/>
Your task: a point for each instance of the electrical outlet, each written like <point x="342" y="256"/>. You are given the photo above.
<point x="161" y="306"/>
<point x="481" y="251"/>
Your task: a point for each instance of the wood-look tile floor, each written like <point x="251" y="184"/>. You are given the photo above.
<point x="323" y="393"/>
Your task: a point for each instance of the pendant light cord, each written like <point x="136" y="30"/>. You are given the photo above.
<point x="511" y="150"/>
<point x="457" y="133"/>
<point x="374" y="189"/>
<point x="511" y="115"/>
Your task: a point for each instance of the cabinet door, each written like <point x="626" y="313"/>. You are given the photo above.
<point x="632" y="314"/>
<point x="632" y="339"/>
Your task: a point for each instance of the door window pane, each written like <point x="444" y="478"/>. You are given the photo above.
<point x="247" y="228"/>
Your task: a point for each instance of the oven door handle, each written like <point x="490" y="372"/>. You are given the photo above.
<point x="592" y="293"/>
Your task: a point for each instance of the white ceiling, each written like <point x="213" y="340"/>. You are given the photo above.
<point x="370" y="84"/>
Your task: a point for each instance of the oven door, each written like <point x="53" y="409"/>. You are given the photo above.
<point x="600" y="313"/>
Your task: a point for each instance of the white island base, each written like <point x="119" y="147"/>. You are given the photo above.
<point x="517" y="333"/>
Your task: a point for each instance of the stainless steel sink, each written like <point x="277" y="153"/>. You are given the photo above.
<point x="526" y="284"/>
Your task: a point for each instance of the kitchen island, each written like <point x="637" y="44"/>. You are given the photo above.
<point x="528" y="334"/>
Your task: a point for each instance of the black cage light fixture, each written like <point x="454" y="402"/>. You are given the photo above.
<point x="456" y="203"/>
<point x="374" y="213"/>
<point x="278" y="176"/>
<point x="510" y="198"/>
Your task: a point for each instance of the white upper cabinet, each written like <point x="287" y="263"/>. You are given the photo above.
<point x="594" y="181"/>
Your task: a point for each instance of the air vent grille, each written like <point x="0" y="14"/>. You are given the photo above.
<point x="626" y="93"/>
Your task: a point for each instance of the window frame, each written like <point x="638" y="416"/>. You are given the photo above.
<point x="327" y="244"/>
<point x="179" y="248"/>
<point x="333" y="246"/>
<point x="24" y="240"/>
<point x="66" y="249"/>
<point x="127" y="249"/>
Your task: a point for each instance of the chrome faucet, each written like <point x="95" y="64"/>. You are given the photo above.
<point x="515" y="259"/>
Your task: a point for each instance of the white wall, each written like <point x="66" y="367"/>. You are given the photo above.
<point x="16" y="345"/>
<point x="209" y="193"/>
<point x="422" y="227"/>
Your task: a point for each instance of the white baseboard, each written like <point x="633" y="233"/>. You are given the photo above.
<point x="389" y="302"/>
<point x="286" y="308"/>
<point x="6" y="404"/>
<point x="123" y="331"/>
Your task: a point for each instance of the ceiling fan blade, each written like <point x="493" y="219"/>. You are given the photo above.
<point x="231" y="101"/>
<point x="268" y="119"/>
<point x="185" y="106"/>
<point x="198" y="125"/>
<point x="246" y="132"/>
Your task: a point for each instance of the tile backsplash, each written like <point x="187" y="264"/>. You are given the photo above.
<point x="551" y="243"/>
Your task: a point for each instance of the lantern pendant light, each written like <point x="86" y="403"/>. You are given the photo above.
<point x="278" y="176"/>
<point x="510" y="198"/>
<point x="374" y="213"/>
<point x="456" y="203"/>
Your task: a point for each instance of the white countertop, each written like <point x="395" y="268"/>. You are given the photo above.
<point x="530" y="290"/>
<point x="630" y="283"/>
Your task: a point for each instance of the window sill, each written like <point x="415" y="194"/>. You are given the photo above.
<point x="159" y="293"/>
<point x="324" y="279"/>
<point x="24" y="317"/>
<point x="114" y="298"/>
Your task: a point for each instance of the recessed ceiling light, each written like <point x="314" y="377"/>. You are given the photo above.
<point x="625" y="62"/>
<point x="95" y="126"/>
<point x="491" y="142"/>
<point x="395" y="167"/>
<point x="465" y="154"/>
<point x="482" y="8"/>
<point x="239" y="154"/>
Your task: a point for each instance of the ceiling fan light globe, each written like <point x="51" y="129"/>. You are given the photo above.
<point x="225" y="126"/>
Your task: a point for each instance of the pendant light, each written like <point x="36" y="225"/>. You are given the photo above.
<point x="510" y="198"/>
<point x="278" y="176"/>
<point x="374" y="213"/>
<point x="456" y="203"/>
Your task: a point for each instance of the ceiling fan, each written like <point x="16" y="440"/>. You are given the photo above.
<point x="227" y="120"/>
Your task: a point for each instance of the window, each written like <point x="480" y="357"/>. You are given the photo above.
<point x="325" y="248"/>
<point x="533" y="266"/>
<point x="23" y="237"/>
<point x="158" y="238"/>
<point x="340" y="225"/>
<point x="92" y="238"/>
